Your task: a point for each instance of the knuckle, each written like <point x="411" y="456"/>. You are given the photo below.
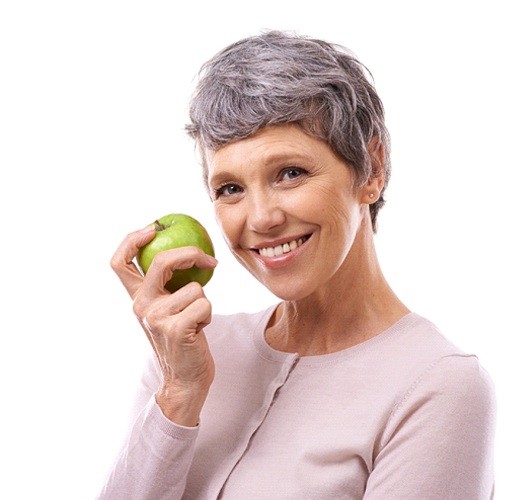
<point x="156" y="262"/>
<point x="115" y="263"/>
<point x="138" y="307"/>
<point x="179" y="325"/>
<point x="152" y="321"/>
<point x="195" y="289"/>
<point x="161" y="261"/>
<point x="159" y="258"/>
<point x="205" y="303"/>
<point x="195" y="251"/>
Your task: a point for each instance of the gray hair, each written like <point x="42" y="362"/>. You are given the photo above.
<point x="279" y="77"/>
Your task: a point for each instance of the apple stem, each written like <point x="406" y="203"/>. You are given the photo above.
<point x="158" y="226"/>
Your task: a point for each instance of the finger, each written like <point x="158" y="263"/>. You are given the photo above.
<point x="157" y="312"/>
<point x="166" y="309"/>
<point x="164" y="263"/>
<point x="178" y="301"/>
<point x="193" y="319"/>
<point x="122" y="261"/>
<point x="169" y="334"/>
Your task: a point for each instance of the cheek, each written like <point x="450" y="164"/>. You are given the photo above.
<point x="343" y="222"/>
<point x="228" y="223"/>
<point x="338" y="207"/>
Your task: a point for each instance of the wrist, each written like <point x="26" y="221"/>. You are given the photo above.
<point x="182" y="404"/>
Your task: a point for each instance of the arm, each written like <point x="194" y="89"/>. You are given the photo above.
<point x="439" y="442"/>
<point x="155" y="459"/>
<point x="157" y="454"/>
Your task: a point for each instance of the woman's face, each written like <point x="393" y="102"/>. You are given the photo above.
<point x="287" y="207"/>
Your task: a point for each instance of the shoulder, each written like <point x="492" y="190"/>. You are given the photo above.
<point x="415" y="345"/>
<point x="442" y="359"/>
<point x="237" y="328"/>
<point x="416" y="330"/>
<point x="407" y="350"/>
<point x="240" y="320"/>
<point x="448" y="391"/>
<point x="456" y="382"/>
<point x="439" y="361"/>
<point x="418" y="364"/>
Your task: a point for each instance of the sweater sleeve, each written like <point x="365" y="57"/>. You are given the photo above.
<point x="156" y="456"/>
<point x="438" y="444"/>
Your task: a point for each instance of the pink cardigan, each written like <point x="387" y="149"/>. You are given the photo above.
<point x="404" y="415"/>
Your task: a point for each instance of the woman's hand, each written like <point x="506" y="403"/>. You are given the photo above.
<point x="173" y="323"/>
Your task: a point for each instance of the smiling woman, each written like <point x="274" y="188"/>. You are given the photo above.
<point x="282" y="186"/>
<point x="338" y="390"/>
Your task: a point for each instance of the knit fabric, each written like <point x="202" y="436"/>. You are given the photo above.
<point x="404" y="415"/>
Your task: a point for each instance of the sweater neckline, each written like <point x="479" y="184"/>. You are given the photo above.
<point x="274" y="355"/>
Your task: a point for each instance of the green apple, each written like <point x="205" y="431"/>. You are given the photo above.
<point x="175" y="231"/>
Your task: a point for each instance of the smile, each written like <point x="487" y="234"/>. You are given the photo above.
<point x="282" y="249"/>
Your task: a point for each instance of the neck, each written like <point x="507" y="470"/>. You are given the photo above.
<point x="355" y="305"/>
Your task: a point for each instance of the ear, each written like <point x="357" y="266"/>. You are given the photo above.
<point x="371" y="191"/>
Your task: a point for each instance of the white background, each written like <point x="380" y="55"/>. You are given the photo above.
<point x="92" y="105"/>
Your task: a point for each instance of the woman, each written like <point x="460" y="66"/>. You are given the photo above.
<point x="337" y="391"/>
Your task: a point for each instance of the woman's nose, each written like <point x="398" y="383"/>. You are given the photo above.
<point x="264" y="213"/>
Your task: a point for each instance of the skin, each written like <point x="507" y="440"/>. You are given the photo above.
<point x="272" y="188"/>
<point x="281" y="184"/>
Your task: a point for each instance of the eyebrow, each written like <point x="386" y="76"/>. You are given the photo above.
<point x="294" y="158"/>
<point x="220" y="178"/>
<point x="290" y="154"/>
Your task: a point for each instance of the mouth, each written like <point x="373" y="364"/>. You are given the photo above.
<point x="283" y="248"/>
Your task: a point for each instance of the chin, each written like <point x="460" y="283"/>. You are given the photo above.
<point x="284" y="283"/>
<point x="288" y="292"/>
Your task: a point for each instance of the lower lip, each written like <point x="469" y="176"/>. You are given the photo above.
<point x="279" y="261"/>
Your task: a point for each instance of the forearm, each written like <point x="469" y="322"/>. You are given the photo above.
<point x="155" y="460"/>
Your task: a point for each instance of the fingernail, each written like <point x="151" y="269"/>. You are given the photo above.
<point x="148" y="229"/>
<point x="212" y="260"/>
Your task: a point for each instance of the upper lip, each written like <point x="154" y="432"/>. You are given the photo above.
<point x="280" y="241"/>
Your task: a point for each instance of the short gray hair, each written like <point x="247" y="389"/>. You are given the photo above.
<point x="280" y="77"/>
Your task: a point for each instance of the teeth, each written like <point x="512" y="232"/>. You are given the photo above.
<point x="281" y="249"/>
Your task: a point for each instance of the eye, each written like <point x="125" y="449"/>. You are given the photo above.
<point x="227" y="190"/>
<point x="292" y="173"/>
